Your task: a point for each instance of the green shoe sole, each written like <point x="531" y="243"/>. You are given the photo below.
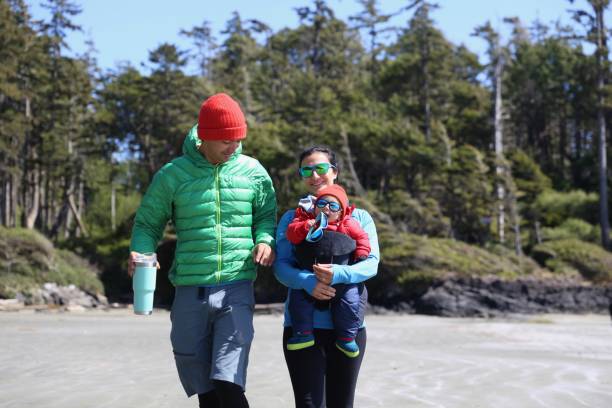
<point x="351" y="354"/>
<point x="299" y="346"/>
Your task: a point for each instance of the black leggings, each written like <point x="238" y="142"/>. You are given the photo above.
<point x="322" y="376"/>
<point x="225" y="395"/>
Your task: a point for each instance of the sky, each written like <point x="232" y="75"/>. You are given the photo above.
<point x="126" y="30"/>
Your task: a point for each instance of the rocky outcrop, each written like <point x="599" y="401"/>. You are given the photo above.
<point x="491" y="296"/>
<point x="70" y="297"/>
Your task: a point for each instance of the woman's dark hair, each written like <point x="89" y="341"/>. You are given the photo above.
<point x="320" y="149"/>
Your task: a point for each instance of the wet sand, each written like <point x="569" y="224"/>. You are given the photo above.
<point x="115" y="359"/>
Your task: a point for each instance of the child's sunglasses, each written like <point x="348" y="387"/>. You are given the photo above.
<point x="333" y="206"/>
<point x="320" y="169"/>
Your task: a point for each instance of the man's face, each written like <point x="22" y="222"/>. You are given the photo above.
<point x="218" y="151"/>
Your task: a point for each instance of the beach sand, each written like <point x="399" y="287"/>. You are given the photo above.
<point x="116" y="359"/>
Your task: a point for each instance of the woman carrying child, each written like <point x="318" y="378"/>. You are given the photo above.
<point x="323" y="375"/>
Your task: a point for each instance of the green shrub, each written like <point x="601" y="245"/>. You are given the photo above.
<point x="529" y="178"/>
<point x="408" y="257"/>
<point x="554" y="207"/>
<point x="411" y="215"/>
<point x="28" y="259"/>
<point x="570" y="255"/>
<point x="572" y="228"/>
<point x="72" y="269"/>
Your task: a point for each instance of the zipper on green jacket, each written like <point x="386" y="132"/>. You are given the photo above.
<point x="218" y="226"/>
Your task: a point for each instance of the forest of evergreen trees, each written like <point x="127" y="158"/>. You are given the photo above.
<point x="435" y="143"/>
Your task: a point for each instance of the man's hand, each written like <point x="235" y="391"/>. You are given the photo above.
<point x="322" y="291"/>
<point x="132" y="263"/>
<point x="263" y="255"/>
<point x="323" y="272"/>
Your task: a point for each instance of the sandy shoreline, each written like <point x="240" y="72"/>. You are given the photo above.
<point x="115" y="359"/>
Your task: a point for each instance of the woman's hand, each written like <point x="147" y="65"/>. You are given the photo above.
<point x="322" y="291"/>
<point x="323" y="272"/>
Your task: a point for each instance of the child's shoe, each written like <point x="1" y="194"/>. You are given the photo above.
<point x="300" y="341"/>
<point x="348" y="347"/>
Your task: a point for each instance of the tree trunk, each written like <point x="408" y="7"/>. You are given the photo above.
<point x="538" y="232"/>
<point x="427" y="110"/>
<point x="77" y="216"/>
<point x="246" y="90"/>
<point x="47" y="202"/>
<point x="148" y="155"/>
<point x="576" y="168"/>
<point x="6" y="213"/>
<point x="58" y="207"/>
<point x="68" y="218"/>
<point x="602" y="66"/>
<point x="59" y="220"/>
<point x="603" y="180"/>
<point x="81" y="205"/>
<point x="113" y="208"/>
<point x="514" y="213"/>
<point x="499" y="147"/>
<point x="43" y="198"/>
<point x="518" y="246"/>
<point x="353" y="182"/>
<point x="32" y="212"/>
<point x="382" y="186"/>
<point x="31" y="174"/>
<point x="14" y="200"/>
<point x="70" y="196"/>
<point x="426" y="94"/>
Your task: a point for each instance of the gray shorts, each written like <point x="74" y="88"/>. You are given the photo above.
<point x="212" y="331"/>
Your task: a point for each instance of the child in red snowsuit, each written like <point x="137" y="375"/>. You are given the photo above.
<point x="346" y="307"/>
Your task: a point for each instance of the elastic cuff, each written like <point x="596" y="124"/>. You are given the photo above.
<point x="338" y="273"/>
<point x="310" y="283"/>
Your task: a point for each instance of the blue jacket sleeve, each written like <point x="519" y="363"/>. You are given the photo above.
<point x="285" y="268"/>
<point x="364" y="270"/>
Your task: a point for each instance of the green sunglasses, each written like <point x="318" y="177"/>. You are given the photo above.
<point x="319" y="168"/>
<point x="333" y="206"/>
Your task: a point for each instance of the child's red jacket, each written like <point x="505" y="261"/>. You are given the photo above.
<point x="298" y="229"/>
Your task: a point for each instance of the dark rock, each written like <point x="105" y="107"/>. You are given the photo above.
<point x="491" y="296"/>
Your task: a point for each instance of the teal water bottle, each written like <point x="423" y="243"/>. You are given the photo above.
<point x="143" y="283"/>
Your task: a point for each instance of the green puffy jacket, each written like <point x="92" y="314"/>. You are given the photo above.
<point x="219" y="212"/>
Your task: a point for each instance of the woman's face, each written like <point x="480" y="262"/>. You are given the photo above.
<point x="316" y="182"/>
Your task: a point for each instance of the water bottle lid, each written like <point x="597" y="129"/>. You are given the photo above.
<point x="146" y="260"/>
<point x="145" y="263"/>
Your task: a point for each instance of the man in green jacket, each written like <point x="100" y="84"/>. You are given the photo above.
<point x="223" y="207"/>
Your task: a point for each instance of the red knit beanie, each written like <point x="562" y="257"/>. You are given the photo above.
<point x="337" y="191"/>
<point x="221" y="119"/>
